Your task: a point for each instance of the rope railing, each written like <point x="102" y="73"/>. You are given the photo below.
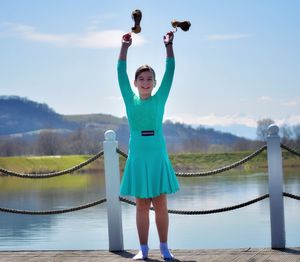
<point x="52" y="212"/>
<point x="182" y="212"/>
<point x="225" y="168"/>
<point x="291" y="150"/>
<point x="123" y="154"/>
<point x="52" y="174"/>
<point x="180" y="174"/>
<point x="291" y="195"/>
<point x="205" y="212"/>
<point x="213" y="211"/>
<point x="215" y="171"/>
<point x="112" y="188"/>
<point x="125" y="200"/>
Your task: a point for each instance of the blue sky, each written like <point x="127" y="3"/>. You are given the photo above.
<point x="240" y="61"/>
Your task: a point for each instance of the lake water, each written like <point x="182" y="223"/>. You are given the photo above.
<point x="87" y="229"/>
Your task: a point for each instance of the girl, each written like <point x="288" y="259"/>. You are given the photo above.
<point x="148" y="173"/>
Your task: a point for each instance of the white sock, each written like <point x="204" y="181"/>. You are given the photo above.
<point x="142" y="254"/>
<point x="164" y="250"/>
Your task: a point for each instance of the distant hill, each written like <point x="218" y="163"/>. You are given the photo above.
<point x="96" y="121"/>
<point x="239" y="130"/>
<point x="21" y="116"/>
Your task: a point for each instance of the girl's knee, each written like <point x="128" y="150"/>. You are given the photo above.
<point x="143" y="204"/>
<point x="160" y="203"/>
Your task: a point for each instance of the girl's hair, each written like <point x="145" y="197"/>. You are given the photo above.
<point x="144" y="68"/>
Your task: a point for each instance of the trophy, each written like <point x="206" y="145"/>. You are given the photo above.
<point x="137" y="17"/>
<point x="184" y="25"/>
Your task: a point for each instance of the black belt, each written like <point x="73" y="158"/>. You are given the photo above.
<point x="147" y="133"/>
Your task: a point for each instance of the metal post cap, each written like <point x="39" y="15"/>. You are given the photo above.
<point x="110" y="135"/>
<point x="273" y="130"/>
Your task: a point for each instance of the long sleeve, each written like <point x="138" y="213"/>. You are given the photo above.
<point x="164" y="89"/>
<point x="124" y="84"/>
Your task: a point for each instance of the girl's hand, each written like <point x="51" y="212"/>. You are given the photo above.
<point x="168" y="38"/>
<point x="126" y="39"/>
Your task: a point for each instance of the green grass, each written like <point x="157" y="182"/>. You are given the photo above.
<point x="188" y="162"/>
<point x="42" y="164"/>
<point x="181" y="162"/>
<point x="209" y="161"/>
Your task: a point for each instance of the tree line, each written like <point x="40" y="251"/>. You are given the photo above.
<point x="88" y="141"/>
<point x="290" y="135"/>
<point x="80" y="141"/>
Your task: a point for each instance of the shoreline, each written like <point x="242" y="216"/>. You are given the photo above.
<point x="183" y="162"/>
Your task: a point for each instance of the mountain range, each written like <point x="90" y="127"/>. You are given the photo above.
<point x="21" y="117"/>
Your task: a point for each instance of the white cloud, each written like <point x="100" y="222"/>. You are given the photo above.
<point x="97" y="21"/>
<point x="291" y="103"/>
<point x="236" y="119"/>
<point x="290" y="120"/>
<point x="265" y="98"/>
<point x="89" y="39"/>
<point x="224" y="37"/>
<point x="212" y="120"/>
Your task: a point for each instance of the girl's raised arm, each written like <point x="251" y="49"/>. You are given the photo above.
<point x="124" y="83"/>
<point x="168" y="40"/>
<point x="167" y="80"/>
<point x="126" y="43"/>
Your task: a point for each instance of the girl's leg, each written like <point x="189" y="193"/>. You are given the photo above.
<point x="162" y="224"/>
<point x="161" y="217"/>
<point x="142" y="219"/>
<point x="142" y="223"/>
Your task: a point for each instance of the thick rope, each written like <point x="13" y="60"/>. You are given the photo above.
<point x="215" y="171"/>
<point x="205" y="212"/>
<point x="225" y="168"/>
<point x="53" y="174"/>
<point x="291" y="196"/>
<point x="293" y="151"/>
<point x="119" y="151"/>
<point x="171" y="211"/>
<point x="52" y="212"/>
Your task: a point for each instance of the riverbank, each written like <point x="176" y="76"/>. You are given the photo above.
<point x="182" y="162"/>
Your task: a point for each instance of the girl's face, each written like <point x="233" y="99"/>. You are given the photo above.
<point x="145" y="83"/>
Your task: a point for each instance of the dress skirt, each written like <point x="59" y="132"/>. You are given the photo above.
<point x="148" y="171"/>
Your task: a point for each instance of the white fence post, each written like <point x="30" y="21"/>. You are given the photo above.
<point x="112" y="184"/>
<point x="275" y="188"/>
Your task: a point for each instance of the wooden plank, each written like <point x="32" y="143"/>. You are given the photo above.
<point x="195" y="255"/>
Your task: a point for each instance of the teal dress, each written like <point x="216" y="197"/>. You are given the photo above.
<point x="148" y="171"/>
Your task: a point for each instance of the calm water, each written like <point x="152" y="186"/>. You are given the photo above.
<point x="87" y="229"/>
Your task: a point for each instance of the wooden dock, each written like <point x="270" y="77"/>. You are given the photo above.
<point x="222" y="255"/>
